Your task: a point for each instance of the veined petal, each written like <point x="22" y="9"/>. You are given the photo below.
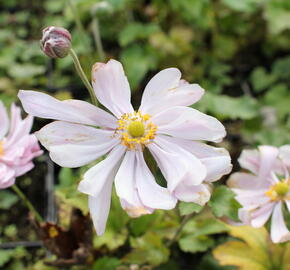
<point x="177" y="165"/>
<point x="100" y="206"/>
<point x="167" y="86"/>
<point x="246" y="181"/>
<point x="151" y="194"/>
<point x="4" y="122"/>
<point x="111" y="87"/>
<point x="279" y="231"/>
<point x="96" y="177"/>
<point x="7" y="176"/>
<point x="75" y="111"/>
<point x="249" y="159"/>
<point x="199" y="194"/>
<point x="216" y="160"/>
<point x="268" y="158"/>
<point x="188" y="123"/>
<point x="74" y="145"/>
<point x="260" y="216"/>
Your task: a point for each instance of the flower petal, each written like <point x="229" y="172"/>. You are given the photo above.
<point x="167" y="86"/>
<point x="216" y="160"/>
<point x="260" y="216"/>
<point x="177" y="165"/>
<point x="284" y="154"/>
<point x="279" y="231"/>
<point x="249" y="159"/>
<point x="7" y="176"/>
<point x="73" y="145"/>
<point x="246" y="181"/>
<point x="268" y="158"/>
<point x="151" y="194"/>
<point x="188" y="123"/>
<point x="199" y="194"/>
<point x="75" y="111"/>
<point x="4" y="123"/>
<point x="96" y="177"/>
<point x="111" y="87"/>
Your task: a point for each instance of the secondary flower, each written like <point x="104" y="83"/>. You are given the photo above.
<point x="163" y="124"/>
<point x="264" y="190"/>
<point x="17" y="146"/>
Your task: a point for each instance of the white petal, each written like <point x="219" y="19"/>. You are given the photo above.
<point x="166" y="86"/>
<point x="7" y="176"/>
<point x="288" y="205"/>
<point x="216" y="160"/>
<point x="73" y="145"/>
<point x="268" y="157"/>
<point x="4" y="122"/>
<point x="177" y="165"/>
<point x="249" y="159"/>
<point x="260" y="216"/>
<point x="75" y="111"/>
<point x="137" y="209"/>
<point x="284" y="154"/>
<point x="198" y="194"/>
<point x="244" y="216"/>
<point x="279" y="231"/>
<point x="96" y="177"/>
<point x="246" y="181"/>
<point x="188" y="123"/>
<point x="100" y="206"/>
<point x="151" y="194"/>
<point x="111" y="87"/>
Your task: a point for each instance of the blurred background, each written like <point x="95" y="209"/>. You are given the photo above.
<point x="238" y="51"/>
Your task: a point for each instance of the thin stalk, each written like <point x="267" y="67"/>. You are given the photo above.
<point x="83" y="76"/>
<point x="97" y="38"/>
<point x="27" y="203"/>
<point x="178" y="231"/>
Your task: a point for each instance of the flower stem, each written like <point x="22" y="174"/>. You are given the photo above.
<point x="97" y="38"/>
<point x="27" y="203"/>
<point x="178" y="231"/>
<point x="83" y="76"/>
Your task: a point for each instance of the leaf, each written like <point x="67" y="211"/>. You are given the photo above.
<point x="281" y="68"/>
<point x="261" y="79"/>
<point x="5" y="256"/>
<point x="24" y="71"/>
<point x="106" y="263"/>
<point x="223" y="203"/>
<point x="7" y="199"/>
<point x="195" y="244"/>
<point x="66" y="177"/>
<point x="188" y="208"/>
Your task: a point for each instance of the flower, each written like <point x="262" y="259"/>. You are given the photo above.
<point x="163" y="124"/>
<point x="264" y="190"/>
<point x="55" y="42"/>
<point x="17" y="146"/>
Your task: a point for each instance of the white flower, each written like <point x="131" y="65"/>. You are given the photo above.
<point x="162" y="124"/>
<point x="263" y="192"/>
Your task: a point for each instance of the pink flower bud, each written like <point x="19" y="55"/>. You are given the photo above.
<point x="55" y="42"/>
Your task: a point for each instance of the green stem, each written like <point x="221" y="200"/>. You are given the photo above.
<point x="178" y="231"/>
<point x="27" y="203"/>
<point x="83" y="76"/>
<point x="97" y="38"/>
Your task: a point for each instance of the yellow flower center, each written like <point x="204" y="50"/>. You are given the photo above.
<point x="136" y="129"/>
<point x="279" y="191"/>
<point x="1" y="149"/>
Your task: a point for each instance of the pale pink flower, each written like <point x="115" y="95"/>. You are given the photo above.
<point x="163" y="124"/>
<point x="264" y="190"/>
<point x="17" y="146"/>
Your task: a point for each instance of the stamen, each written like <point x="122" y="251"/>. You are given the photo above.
<point x="279" y="191"/>
<point x="1" y="149"/>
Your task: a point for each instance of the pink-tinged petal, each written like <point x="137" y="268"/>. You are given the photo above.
<point x="246" y="181"/>
<point x="279" y="231"/>
<point x="100" y="206"/>
<point x="96" y="177"/>
<point x="75" y="111"/>
<point x="216" y="160"/>
<point x="198" y="194"/>
<point x="167" y="86"/>
<point x="177" y="165"/>
<point x="244" y="216"/>
<point x="137" y="209"/>
<point x="7" y="176"/>
<point x="249" y="159"/>
<point x="111" y="87"/>
<point x="260" y="216"/>
<point x="268" y="158"/>
<point x="4" y="122"/>
<point x="151" y="194"/>
<point x="188" y="123"/>
<point x="284" y="154"/>
<point x="73" y="145"/>
<point x="22" y="169"/>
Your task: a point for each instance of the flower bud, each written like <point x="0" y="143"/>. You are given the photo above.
<point x="55" y="42"/>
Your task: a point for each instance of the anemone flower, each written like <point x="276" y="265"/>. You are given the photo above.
<point x="17" y="146"/>
<point x="264" y="190"/>
<point x="163" y="124"/>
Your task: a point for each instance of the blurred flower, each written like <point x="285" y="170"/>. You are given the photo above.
<point x="17" y="146"/>
<point x="263" y="192"/>
<point x="170" y="130"/>
<point x="55" y="42"/>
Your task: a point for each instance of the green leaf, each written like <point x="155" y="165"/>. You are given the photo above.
<point x="25" y="71"/>
<point x="261" y="79"/>
<point x="223" y="203"/>
<point x="281" y="68"/>
<point x="7" y="199"/>
<point x="248" y="6"/>
<point x="188" y="208"/>
<point x="106" y="263"/>
<point x="66" y="177"/>
<point x="195" y="244"/>
<point x="5" y="256"/>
